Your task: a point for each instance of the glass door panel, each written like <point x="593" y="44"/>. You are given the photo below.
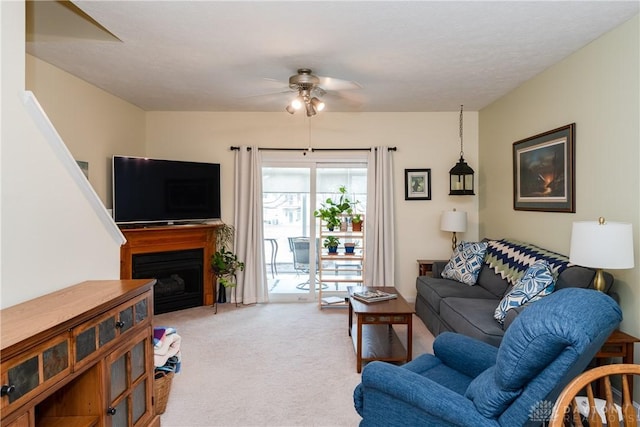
<point x="118" y="377"/>
<point x="330" y="177"/>
<point x="287" y="213"/>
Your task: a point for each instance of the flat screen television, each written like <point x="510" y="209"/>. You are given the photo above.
<point x="164" y="191"/>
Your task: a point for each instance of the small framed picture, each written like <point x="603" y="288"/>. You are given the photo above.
<point x="544" y="171"/>
<point x="417" y="184"/>
<point x="84" y="167"/>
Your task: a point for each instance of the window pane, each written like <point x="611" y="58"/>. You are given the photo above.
<point x="332" y="176"/>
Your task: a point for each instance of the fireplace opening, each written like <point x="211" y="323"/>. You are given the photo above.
<point x="179" y="276"/>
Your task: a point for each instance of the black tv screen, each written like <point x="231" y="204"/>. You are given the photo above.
<point x="164" y="191"/>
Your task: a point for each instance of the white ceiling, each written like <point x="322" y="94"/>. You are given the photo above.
<point x="238" y="55"/>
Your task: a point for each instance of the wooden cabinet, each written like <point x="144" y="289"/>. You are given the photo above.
<point x="81" y="356"/>
<point x="337" y="271"/>
<point x="425" y="267"/>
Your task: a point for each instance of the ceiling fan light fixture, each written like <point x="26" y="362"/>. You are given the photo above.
<point x="297" y="102"/>
<point x="310" y="90"/>
<point x="317" y="104"/>
<point x="311" y="111"/>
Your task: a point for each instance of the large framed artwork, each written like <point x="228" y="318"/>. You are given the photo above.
<point x="417" y="184"/>
<point x="544" y="171"/>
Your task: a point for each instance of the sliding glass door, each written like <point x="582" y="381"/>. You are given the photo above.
<point x="291" y="192"/>
<point x="287" y="213"/>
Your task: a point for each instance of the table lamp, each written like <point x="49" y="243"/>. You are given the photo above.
<point x="454" y="221"/>
<point x="600" y="244"/>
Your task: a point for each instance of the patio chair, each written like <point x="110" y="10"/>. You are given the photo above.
<point x="300" y="248"/>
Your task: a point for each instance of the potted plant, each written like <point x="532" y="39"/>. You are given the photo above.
<point x="329" y="214"/>
<point x="356" y="222"/>
<point x="331" y="243"/>
<point x="224" y="262"/>
<point x="349" y="248"/>
<point x="331" y="209"/>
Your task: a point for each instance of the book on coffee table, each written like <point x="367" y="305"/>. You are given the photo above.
<point x="333" y="300"/>
<point x="373" y="296"/>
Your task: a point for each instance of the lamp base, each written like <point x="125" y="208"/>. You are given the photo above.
<point x="598" y="280"/>
<point x="454" y="241"/>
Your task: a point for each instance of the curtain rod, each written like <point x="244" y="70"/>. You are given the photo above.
<point x="233" y="148"/>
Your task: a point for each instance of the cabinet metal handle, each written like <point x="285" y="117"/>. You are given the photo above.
<point x="111" y="411"/>
<point x="7" y="389"/>
<point x="119" y="324"/>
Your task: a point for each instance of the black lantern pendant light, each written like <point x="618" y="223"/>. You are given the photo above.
<point x="461" y="175"/>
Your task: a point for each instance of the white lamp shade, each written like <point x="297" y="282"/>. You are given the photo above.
<point x="455" y="221"/>
<point x="607" y="246"/>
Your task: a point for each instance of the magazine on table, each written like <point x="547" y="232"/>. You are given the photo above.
<point x="373" y="296"/>
<point x="333" y="300"/>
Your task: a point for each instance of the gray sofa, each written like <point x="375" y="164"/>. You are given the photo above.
<point x="448" y="305"/>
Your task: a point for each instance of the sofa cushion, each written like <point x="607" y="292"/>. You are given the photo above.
<point x="472" y="317"/>
<point x="433" y="290"/>
<point x="492" y="282"/>
<point x="511" y="258"/>
<point x="538" y="281"/>
<point x="581" y="277"/>
<point x="466" y="262"/>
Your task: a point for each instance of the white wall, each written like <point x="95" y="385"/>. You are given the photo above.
<point x="424" y="140"/>
<point x="51" y="237"/>
<point x="597" y="88"/>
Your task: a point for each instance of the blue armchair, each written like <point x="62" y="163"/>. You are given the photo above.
<point x="470" y="383"/>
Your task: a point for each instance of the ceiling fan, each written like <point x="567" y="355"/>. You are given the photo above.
<point x="311" y="88"/>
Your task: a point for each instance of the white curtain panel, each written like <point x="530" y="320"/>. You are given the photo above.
<point x="249" y="238"/>
<point x="379" y="221"/>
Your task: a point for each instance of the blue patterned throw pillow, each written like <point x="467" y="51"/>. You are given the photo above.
<point x="538" y="281"/>
<point x="466" y="262"/>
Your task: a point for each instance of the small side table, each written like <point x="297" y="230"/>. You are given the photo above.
<point x="620" y="345"/>
<point x="425" y="267"/>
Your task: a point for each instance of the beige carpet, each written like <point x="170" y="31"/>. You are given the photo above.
<point x="266" y="365"/>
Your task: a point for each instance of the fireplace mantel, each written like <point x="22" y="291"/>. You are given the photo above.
<point x="170" y="238"/>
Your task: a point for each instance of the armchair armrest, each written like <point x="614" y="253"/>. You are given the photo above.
<point x="391" y="395"/>
<point x="437" y="267"/>
<point x="464" y="354"/>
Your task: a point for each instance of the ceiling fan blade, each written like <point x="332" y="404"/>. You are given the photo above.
<point x="332" y="84"/>
<point x="268" y="93"/>
<point x="275" y="81"/>
<point x="349" y="98"/>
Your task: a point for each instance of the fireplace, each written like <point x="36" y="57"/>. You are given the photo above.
<point x="154" y="241"/>
<point x="179" y="278"/>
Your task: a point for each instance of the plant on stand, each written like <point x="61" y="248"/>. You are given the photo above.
<point x="331" y="243"/>
<point x="224" y="262"/>
<point x="356" y="222"/>
<point x="349" y="248"/>
<point x="331" y="210"/>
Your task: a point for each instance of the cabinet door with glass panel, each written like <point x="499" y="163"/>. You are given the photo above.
<point x="130" y="376"/>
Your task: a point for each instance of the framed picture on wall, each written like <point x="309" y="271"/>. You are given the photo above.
<point x="417" y="184"/>
<point x="544" y="171"/>
<point x="84" y="167"/>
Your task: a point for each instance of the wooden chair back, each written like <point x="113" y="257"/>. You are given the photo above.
<point x="565" y="411"/>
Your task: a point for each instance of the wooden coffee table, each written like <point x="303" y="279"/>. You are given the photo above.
<point x="373" y="335"/>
